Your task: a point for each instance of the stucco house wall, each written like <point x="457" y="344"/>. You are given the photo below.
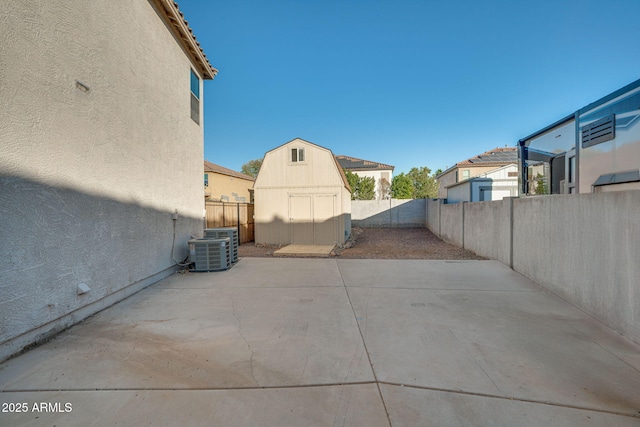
<point x="301" y="202"/>
<point x="448" y="179"/>
<point x="493" y="185"/>
<point x="96" y="99"/>
<point x="227" y="185"/>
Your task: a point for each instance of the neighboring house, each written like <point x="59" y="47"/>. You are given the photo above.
<point x="365" y="168"/>
<point x="301" y="196"/>
<point x="475" y="166"/>
<point x="102" y="142"/>
<point x="494" y="185"/>
<point x="596" y="149"/>
<point x="222" y="184"/>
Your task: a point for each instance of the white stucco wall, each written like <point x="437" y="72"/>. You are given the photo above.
<point x="133" y="121"/>
<point x="89" y="179"/>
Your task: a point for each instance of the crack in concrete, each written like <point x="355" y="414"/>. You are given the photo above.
<point x="235" y="316"/>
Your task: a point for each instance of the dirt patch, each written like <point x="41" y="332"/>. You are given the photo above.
<point x="382" y="243"/>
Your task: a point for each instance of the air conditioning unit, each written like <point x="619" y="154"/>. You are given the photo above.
<point x="210" y="254"/>
<point x="222" y="232"/>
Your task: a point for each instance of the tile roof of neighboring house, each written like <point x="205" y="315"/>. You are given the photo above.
<point x="354" y="164"/>
<point x="495" y="157"/>
<point x="212" y="167"/>
<point x="186" y="37"/>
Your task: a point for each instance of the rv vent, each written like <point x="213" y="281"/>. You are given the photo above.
<point x="231" y="233"/>
<point x="210" y="254"/>
<point x="599" y="131"/>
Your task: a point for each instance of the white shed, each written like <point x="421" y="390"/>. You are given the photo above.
<point x="301" y="196"/>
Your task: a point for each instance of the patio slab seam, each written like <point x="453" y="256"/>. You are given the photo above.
<point x="364" y="343"/>
<point x="510" y="398"/>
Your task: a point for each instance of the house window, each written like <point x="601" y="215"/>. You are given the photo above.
<point x="206" y="179"/>
<point x="465" y="174"/>
<point x="195" y="97"/>
<point x="297" y="155"/>
<point x="572" y="169"/>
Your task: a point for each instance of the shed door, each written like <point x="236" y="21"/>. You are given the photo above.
<point x="324" y="220"/>
<point x="300" y="219"/>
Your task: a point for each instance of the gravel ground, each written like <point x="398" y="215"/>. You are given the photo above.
<point x="382" y="243"/>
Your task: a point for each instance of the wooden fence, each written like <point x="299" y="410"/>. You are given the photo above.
<point x="225" y="214"/>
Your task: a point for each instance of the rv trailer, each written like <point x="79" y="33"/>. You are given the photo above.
<point x="596" y="149"/>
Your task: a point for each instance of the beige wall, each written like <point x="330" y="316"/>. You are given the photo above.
<point x="225" y="185"/>
<point x="81" y="198"/>
<point x="134" y="119"/>
<point x="279" y="179"/>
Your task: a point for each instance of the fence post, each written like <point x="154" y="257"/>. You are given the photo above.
<point x="238" y="205"/>
<point x="511" y="232"/>
<point x="463" y="203"/>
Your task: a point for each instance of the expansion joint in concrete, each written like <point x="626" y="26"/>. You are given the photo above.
<point x="510" y="398"/>
<point x="355" y="316"/>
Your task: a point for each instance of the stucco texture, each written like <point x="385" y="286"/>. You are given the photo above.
<point x="98" y="151"/>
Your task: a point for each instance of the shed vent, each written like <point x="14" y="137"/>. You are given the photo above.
<point x="599" y="131"/>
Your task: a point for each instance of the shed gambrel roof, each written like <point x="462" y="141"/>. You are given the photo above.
<point x="355" y="164"/>
<point x="496" y="157"/>
<point x="212" y="167"/>
<point x="345" y="182"/>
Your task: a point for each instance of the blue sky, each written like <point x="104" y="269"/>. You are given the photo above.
<point x="407" y="83"/>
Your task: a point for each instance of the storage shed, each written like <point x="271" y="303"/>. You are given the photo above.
<point x="301" y="196"/>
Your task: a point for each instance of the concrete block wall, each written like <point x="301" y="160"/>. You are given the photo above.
<point x="584" y="247"/>
<point x="487" y="229"/>
<point x="432" y="218"/>
<point x="388" y="213"/>
<point x="452" y="223"/>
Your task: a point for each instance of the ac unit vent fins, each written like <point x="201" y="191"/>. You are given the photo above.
<point x="210" y="254"/>
<point x="599" y="131"/>
<point x="221" y="233"/>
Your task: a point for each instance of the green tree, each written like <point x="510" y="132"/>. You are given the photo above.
<point x="367" y="188"/>
<point x="362" y="188"/>
<point x="252" y="167"/>
<point x="401" y="187"/>
<point x="352" y="179"/>
<point x="541" y="185"/>
<point x="424" y="184"/>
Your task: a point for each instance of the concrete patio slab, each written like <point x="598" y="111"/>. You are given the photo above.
<point x="333" y="342"/>
<point x="305" y="250"/>
<point x="520" y="345"/>
<point x="195" y="338"/>
<point x="409" y="407"/>
<point x="436" y="274"/>
<point x="262" y="272"/>
<point x="347" y="405"/>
